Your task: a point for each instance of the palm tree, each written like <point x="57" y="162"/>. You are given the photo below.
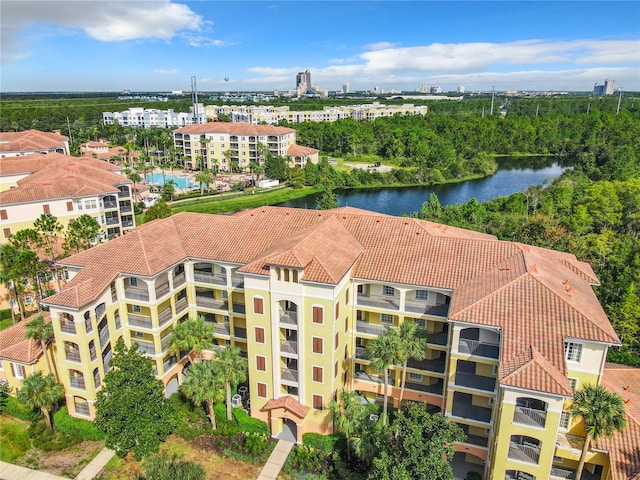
<point x="40" y="331"/>
<point x="203" y="385"/>
<point x="204" y="178"/>
<point x="413" y="345"/>
<point x="191" y="335"/>
<point x="347" y="412"/>
<point x="384" y="351"/>
<point x="602" y="412"/>
<point x="233" y="369"/>
<point x="42" y="392"/>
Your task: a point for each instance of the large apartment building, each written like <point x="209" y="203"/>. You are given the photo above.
<point x="66" y="187"/>
<point x="16" y="144"/>
<point x="234" y="146"/>
<point x="512" y="329"/>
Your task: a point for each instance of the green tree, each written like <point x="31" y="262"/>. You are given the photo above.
<point x="422" y="447"/>
<point x="233" y="370"/>
<point x="80" y="234"/>
<point x="135" y="178"/>
<point x="131" y="408"/>
<point x="10" y="274"/>
<point x="168" y="189"/>
<point x="159" y="210"/>
<point x="602" y="412"/>
<point x="204" y="178"/>
<point x="173" y="467"/>
<point x="296" y="177"/>
<point x="48" y="230"/>
<point x="276" y="168"/>
<point x="191" y="335"/>
<point x="413" y="345"/>
<point x="347" y="412"/>
<point x="42" y="392"/>
<point x="204" y="385"/>
<point x="384" y="351"/>
<point x="5" y="391"/>
<point x="40" y="331"/>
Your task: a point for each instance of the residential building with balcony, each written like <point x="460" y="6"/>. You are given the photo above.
<point x="511" y="329"/>
<point x="18" y="144"/>
<point x="150" y="117"/>
<point x="234" y="146"/>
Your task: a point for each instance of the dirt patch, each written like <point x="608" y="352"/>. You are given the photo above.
<point x="69" y="462"/>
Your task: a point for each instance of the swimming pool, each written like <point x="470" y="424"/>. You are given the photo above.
<point x="158" y="179"/>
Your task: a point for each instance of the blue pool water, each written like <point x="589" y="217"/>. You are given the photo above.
<point x="159" y="179"/>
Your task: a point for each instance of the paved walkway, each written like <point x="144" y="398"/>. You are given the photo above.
<point x="8" y="471"/>
<point x="276" y="460"/>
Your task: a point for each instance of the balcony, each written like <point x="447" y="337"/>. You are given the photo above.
<point x="179" y="280"/>
<point x="524" y="452"/>
<point x="289" y="375"/>
<point x="169" y="362"/>
<point x="162" y="289"/>
<point x="369" y="329"/>
<point x="112" y="220"/>
<point x="107" y="205"/>
<point x="208" y="277"/>
<point x="440" y="338"/>
<point x="362" y="375"/>
<point x="208" y="302"/>
<point x="289" y="317"/>
<point x="100" y="309"/>
<point x="530" y="416"/>
<point x="104" y="337"/>
<point x="237" y="282"/>
<point x="289" y="346"/>
<point x="136" y="294"/>
<point x="435" y="388"/>
<point x="165" y="316"/>
<point x="239" y="308"/>
<point x="124" y="194"/>
<point x="68" y="327"/>
<point x="361" y="353"/>
<point x="140" y="321"/>
<point x="222" y="329"/>
<point x="378" y="302"/>
<point x="73" y="355"/>
<point x="479" y="349"/>
<point x="464" y="409"/>
<point x="240" y="332"/>
<point x="181" y="304"/>
<point x="478" y="382"/>
<point x="77" y="382"/>
<point x="474" y="439"/>
<point x="146" y="347"/>
<point x="436" y="365"/>
<point x="562" y="473"/>
<point x="164" y="343"/>
<point x="423" y="308"/>
<point x="125" y="207"/>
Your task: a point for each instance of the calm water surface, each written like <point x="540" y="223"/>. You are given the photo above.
<point x="513" y="176"/>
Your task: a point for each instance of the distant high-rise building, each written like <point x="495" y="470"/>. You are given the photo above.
<point x="460" y="89"/>
<point x="306" y="88"/>
<point x="436" y="89"/>
<point x="345" y="87"/>
<point x="423" y="89"/>
<point x="606" y="89"/>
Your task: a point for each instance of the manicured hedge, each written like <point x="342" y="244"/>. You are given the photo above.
<point x="18" y="410"/>
<point x="69" y="425"/>
<point x="248" y="424"/>
<point x="325" y="443"/>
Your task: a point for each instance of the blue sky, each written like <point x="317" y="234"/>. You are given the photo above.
<point x="157" y="45"/>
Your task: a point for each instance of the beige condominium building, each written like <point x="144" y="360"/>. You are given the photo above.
<point x="234" y="146"/>
<point x="66" y="187"/>
<point x="512" y="329"/>
<point x="17" y="144"/>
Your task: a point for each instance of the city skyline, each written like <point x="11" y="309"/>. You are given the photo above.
<point x="239" y="46"/>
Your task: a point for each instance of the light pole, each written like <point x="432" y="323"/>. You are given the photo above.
<point x="619" y="101"/>
<point x="493" y="94"/>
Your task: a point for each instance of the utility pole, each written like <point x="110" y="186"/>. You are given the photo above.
<point x="493" y="94"/>
<point x="619" y="101"/>
<point x="194" y="100"/>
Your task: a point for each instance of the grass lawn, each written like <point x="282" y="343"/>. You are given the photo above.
<point x="13" y="438"/>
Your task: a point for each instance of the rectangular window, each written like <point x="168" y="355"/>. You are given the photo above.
<point x="565" y="420"/>
<point x="28" y="300"/>
<point x="133" y="281"/>
<point x="318" y="402"/>
<point x="1" y="366"/>
<point x="317" y="315"/>
<point x="335" y="370"/>
<point x="318" y="375"/>
<point x="46" y="208"/>
<point x="387" y="290"/>
<point x="261" y="363"/>
<point x="69" y="206"/>
<point x="6" y="232"/>
<point x="136" y="308"/>
<point x="346" y="324"/>
<point x="415" y="376"/>
<point x="346" y="296"/>
<point x="259" y="333"/>
<point x="258" y="307"/>
<point x="386" y="318"/>
<point x="318" y="345"/>
<point x="421" y="323"/>
<point x="262" y="390"/>
<point x="422" y="295"/>
<point x="337" y="341"/>
<point x="574" y="383"/>
<point x="3" y="215"/>
<point x="138" y="334"/>
<point x="337" y="310"/>
<point x="18" y="371"/>
<point x="573" y="351"/>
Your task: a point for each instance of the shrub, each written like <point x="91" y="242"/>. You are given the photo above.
<point x="192" y="420"/>
<point x="248" y="424"/>
<point x="173" y="467"/>
<point x="18" y="410"/>
<point x="309" y="460"/>
<point x="49" y="440"/>
<point x="68" y="425"/>
<point x="255" y="443"/>
<point x="5" y="314"/>
<point x="325" y="443"/>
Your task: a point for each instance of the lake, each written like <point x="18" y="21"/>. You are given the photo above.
<point x="515" y="174"/>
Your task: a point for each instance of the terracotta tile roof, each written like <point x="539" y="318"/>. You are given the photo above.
<point x="234" y="128"/>
<point x="62" y="177"/>
<point x="288" y="403"/>
<point x="301" y="151"/>
<point x="30" y="140"/>
<point x="535" y="297"/>
<point x="15" y="346"/>
<point x="624" y="447"/>
<point x="37" y="161"/>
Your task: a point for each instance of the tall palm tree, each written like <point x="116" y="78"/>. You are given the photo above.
<point x="203" y="385"/>
<point x="347" y="412"/>
<point x="233" y="370"/>
<point x="40" y="331"/>
<point x="413" y="345"/>
<point x="191" y="335"/>
<point x="42" y="392"/>
<point x="384" y="351"/>
<point x="602" y="412"/>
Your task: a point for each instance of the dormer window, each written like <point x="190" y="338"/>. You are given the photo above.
<point x="573" y="351"/>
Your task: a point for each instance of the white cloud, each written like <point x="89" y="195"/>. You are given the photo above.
<point x="107" y="21"/>
<point x="203" y="41"/>
<point x="380" y="46"/>
<point x="162" y="71"/>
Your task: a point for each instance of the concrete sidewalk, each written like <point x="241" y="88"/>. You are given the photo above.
<point x="276" y="460"/>
<point x="8" y="471"/>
